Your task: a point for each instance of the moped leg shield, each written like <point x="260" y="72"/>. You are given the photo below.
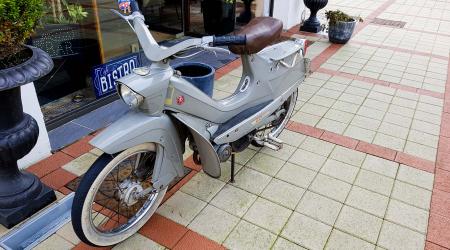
<point x="208" y="156"/>
<point x="136" y="128"/>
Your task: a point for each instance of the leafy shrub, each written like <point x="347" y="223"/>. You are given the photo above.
<point x="18" y="18"/>
<point x="335" y="16"/>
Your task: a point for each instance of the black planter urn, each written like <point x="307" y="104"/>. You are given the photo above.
<point x="312" y="24"/>
<point x="245" y="15"/>
<point x="218" y="16"/>
<point x="21" y="193"/>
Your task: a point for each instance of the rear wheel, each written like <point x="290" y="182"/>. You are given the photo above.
<point x="277" y="126"/>
<point x="116" y="197"/>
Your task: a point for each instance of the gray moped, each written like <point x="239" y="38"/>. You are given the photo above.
<point x="143" y="151"/>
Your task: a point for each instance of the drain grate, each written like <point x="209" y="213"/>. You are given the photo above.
<point x="38" y="228"/>
<point x="387" y="22"/>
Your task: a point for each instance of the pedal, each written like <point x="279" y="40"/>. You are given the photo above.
<point x="273" y="143"/>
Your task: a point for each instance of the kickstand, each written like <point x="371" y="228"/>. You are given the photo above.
<point x="232" y="167"/>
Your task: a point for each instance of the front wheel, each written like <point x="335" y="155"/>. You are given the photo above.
<point x="116" y="197"/>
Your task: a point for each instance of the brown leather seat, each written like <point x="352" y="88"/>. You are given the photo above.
<point x="260" y="32"/>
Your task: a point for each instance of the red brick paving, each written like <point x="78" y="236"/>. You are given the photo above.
<point x="439" y="222"/>
<point x="364" y="147"/>
<point x="347" y="142"/>
<point x="400" y="49"/>
<point x="415" y="162"/>
<point x="381" y="82"/>
<point x="50" y="164"/>
<point x="195" y="241"/>
<point x="442" y="180"/>
<point x="376" y="150"/>
<point x="163" y="231"/>
<point x="79" y="148"/>
<point x="58" y="179"/>
<point x="438" y="230"/>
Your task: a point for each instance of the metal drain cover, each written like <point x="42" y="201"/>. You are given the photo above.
<point x="387" y="22"/>
<point x="38" y="228"/>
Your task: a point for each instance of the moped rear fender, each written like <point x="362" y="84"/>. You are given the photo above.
<point x="136" y="128"/>
<point x="197" y="127"/>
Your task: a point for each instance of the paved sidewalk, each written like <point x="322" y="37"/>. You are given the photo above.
<point x="366" y="161"/>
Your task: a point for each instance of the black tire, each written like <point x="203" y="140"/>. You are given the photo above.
<point x="82" y="191"/>
<point x="82" y="220"/>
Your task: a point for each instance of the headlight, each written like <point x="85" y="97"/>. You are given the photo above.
<point x="130" y="97"/>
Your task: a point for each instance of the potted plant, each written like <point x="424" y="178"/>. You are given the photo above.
<point x="219" y="16"/>
<point x="340" y="26"/>
<point x="21" y="193"/>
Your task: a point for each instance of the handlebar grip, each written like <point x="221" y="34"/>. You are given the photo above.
<point x="229" y="40"/>
<point x="134" y="5"/>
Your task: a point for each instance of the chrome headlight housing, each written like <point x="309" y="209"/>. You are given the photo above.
<point x="130" y="97"/>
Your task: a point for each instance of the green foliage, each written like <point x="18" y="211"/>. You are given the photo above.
<point x="61" y="12"/>
<point x="335" y="16"/>
<point x="18" y="18"/>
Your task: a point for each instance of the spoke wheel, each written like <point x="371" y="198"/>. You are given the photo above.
<point x="277" y="126"/>
<point x="116" y="196"/>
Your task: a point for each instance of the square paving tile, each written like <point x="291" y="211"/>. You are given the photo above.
<point x="307" y="159"/>
<point x="54" y="242"/>
<point x="203" y="186"/>
<point x="416" y="177"/>
<point x="283" y="244"/>
<point x="283" y="193"/>
<point x="380" y="166"/>
<point x="248" y="236"/>
<point x="214" y="223"/>
<point x="317" y="146"/>
<point x="244" y="156"/>
<point x="265" y="163"/>
<point x="296" y="175"/>
<point x="330" y="187"/>
<point x="251" y="180"/>
<point x="374" y="182"/>
<point x="393" y="236"/>
<point x="341" y="240"/>
<point x="359" y="223"/>
<point x="181" y="208"/>
<point x="268" y="215"/>
<point x="412" y="195"/>
<point x="137" y="242"/>
<point x="80" y="165"/>
<point x="367" y="201"/>
<point x="233" y="200"/>
<point x="348" y="156"/>
<point x="283" y="154"/>
<point x="68" y="234"/>
<point x="306" y="232"/>
<point x="407" y="215"/>
<point x="292" y="138"/>
<point x="319" y="207"/>
<point x="340" y="170"/>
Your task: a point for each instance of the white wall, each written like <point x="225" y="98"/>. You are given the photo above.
<point x="288" y="11"/>
<point x="32" y="107"/>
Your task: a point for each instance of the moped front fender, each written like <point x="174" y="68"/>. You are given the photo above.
<point x="136" y="128"/>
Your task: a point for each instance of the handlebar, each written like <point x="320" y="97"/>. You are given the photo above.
<point x="229" y="40"/>
<point x="134" y="5"/>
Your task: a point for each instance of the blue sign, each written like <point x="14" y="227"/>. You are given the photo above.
<point x="105" y="75"/>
